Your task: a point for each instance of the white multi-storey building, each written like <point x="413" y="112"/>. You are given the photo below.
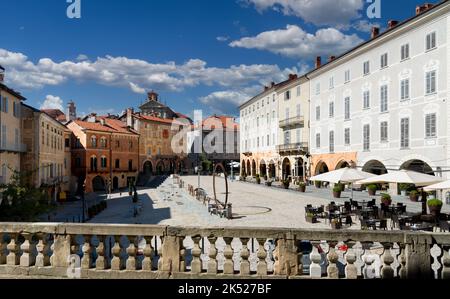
<point x="384" y="105"/>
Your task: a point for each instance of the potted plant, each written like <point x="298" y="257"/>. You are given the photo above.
<point x="386" y="199"/>
<point x="311" y="218"/>
<point x="414" y="196"/>
<point x="268" y="183"/>
<point x="318" y="184"/>
<point x="435" y="206"/>
<point x="372" y="189"/>
<point x="258" y="179"/>
<point x="301" y="187"/>
<point x="265" y="178"/>
<point x="286" y="183"/>
<point x="335" y="224"/>
<point x="337" y="190"/>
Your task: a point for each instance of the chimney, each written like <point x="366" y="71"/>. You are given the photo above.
<point x="130" y="117"/>
<point x="423" y="8"/>
<point x="102" y="121"/>
<point x="2" y="74"/>
<point x="266" y="88"/>
<point x="375" y="31"/>
<point x="92" y="118"/>
<point x="318" y="62"/>
<point x="292" y="76"/>
<point x="331" y="58"/>
<point x="152" y="96"/>
<point x="392" y="24"/>
<point x="272" y="84"/>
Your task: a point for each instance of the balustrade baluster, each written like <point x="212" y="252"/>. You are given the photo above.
<point x="351" y="271"/>
<point x="148" y="255"/>
<point x="86" y="260"/>
<point x="315" y="270"/>
<point x="101" y="262"/>
<point x="159" y="252"/>
<point x="245" y="264"/>
<point x="369" y="270"/>
<point x="182" y="256"/>
<point x="116" y="263"/>
<point x="131" y="251"/>
<point x="196" y="264"/>
<point x="387" y="272"/>
<point x="402" y="259"/>
<point x="228" y="264"/>
<point x="27" y="258"/>
<point x="332" y="256"/>
<point x="13" y="257"/>
<point x="42" y="258"/>
<point x="262" y="265"/>
<point x="212" y="263"/>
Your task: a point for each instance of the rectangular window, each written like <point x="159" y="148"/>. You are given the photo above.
<point x="331" y="108"/>
<point x="347" y="108"/>
<point x="318" y="88"/>
<point x="347" y="76"/>
<point x="366" y="99"/>
<point x="384" y="60"/>
<point x="431" y="82"/>
<point x="404" y="89"/>
<point x="317" y="140"/>
<point x="405" y="52"/>
<point x="331" y="141"/>
<point x="431" y="41"/>
<point x="273" y="139"/>
<point x="3" y="136"/>
<point x="287" y="137"/>
<point x="257" y="142"/>
<point x="366" y="137"/>
<point x="384" y="98"/>
<point x="331" y="82"/>
<point x="16" y="138"/>
<point x="430" y="126"/>
<point x="384" y="131"/>
<point x="297" y="136"/>
<point x="287" y="95"/>
<point x="5" y="104"/>
<point x="318" y="113"/>
<point x="287" y="113"/>
<point x="262" y="103"/>
<point x="366" y="68"/>
<point x="347" y="136"/>
<point x="268" y="140"/>
<point x="299" y="91"/>
<point x="299" y="110"/>
<point x="404" y="133"/>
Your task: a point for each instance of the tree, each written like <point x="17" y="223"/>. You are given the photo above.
<point x="21" y="200"/>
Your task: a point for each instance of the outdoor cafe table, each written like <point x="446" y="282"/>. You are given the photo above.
<point x="422" y="227"/>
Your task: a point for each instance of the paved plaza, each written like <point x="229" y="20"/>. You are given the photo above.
<point x="253" y="206"/>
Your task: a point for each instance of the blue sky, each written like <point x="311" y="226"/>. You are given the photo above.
<point x="197" y="54"/>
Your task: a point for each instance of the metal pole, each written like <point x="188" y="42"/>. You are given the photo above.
<point x="232" y="166"/>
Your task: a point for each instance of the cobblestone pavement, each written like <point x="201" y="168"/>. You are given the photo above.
<point x="253" y="206"/>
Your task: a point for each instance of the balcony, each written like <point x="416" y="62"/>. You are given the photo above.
<point x="13" y="148"/>
<point x="293" y="122"/>
<point x="165" y="252"/>
<point x="301" y="147"/>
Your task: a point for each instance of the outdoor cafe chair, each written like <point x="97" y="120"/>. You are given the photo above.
<point x="444" y="226"/>
<point x="383" y="224"/>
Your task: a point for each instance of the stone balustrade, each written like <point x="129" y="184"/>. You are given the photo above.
<point x="141" y="251"/>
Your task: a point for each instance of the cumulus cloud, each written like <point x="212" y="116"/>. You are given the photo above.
<point x="294" y="42"/>
<point x="82" y="57"/>
<point x="365" y="26"/>
<point x="52" y="102"/>
<point x="317" y="12"/>
<point x="134" y="74"/>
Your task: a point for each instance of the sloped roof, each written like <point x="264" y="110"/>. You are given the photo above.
<point x="55" y="114"/>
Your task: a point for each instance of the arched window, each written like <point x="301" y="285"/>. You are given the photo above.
<point x="103" y="162"/>
<point x="103" y="142"/>
<point x="93" y="163"/>
<point x="94" y="141"/>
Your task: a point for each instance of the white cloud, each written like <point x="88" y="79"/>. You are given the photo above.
<point x="365" y="26"/>
<point x="222" y="38"/>
<point x="52" y="102"/>
<point x="294" y="42"/>
<point x="82" y="57"/>
<point x="317" y="12"/>
<point x="134" y="74"/>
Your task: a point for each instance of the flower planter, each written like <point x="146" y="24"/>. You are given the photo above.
<point x="372" y="192"/>
<point x="258" y="181"/>
<point x="285" y="186"/>
<point x="318" y="185"/>
<point x="269" y="184"/>
<point x="414" y="198"/>
<point x="336" y="225"/>
<point x="337" y="194"/>
<point x="435" y="210"/>
<point x="302" y="189"/>
<point x="310" y="219"/>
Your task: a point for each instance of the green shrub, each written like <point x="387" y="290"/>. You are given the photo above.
<point x="372" y="187"/>
<point x="414" y="193"/>
<point x="338" y="188"/>
<point x="435" y="203"/>
<point x="301" y="184"/>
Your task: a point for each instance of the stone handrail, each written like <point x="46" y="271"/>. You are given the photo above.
<point x="149" y="251"/>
